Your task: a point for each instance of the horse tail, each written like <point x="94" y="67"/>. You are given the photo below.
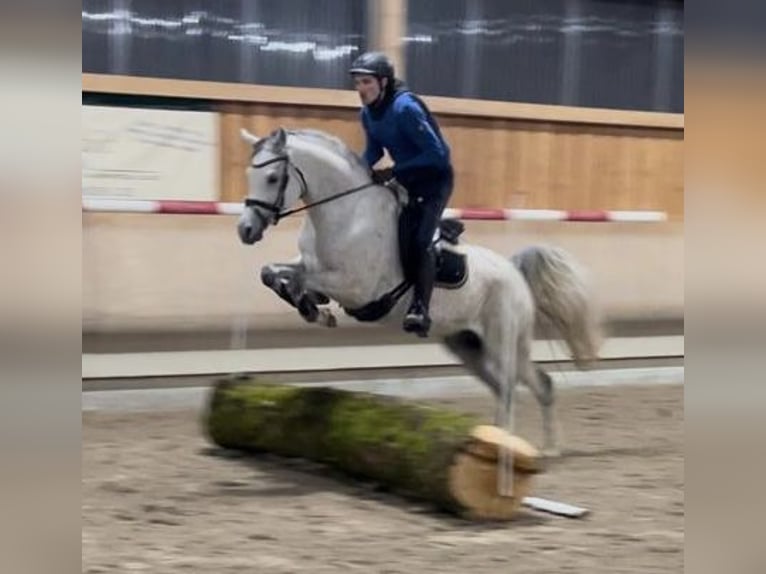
<point x="562" y="298"/>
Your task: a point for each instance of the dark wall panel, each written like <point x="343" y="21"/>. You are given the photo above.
<point x="597" y="53"/>
<point x="287" y="42"/>
<point x="623" y="54"/>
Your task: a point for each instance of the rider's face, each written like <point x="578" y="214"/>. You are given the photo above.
<point x="368" y="87"/>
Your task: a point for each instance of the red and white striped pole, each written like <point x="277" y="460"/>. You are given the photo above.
<point x="180" y="207"/>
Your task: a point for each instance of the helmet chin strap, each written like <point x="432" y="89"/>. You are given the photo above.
<point x="381" y="93"/>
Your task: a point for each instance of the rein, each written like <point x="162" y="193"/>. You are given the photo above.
<point x="277" y="208"/>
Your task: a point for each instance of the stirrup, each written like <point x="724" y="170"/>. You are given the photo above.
<point x="417" y="323"/>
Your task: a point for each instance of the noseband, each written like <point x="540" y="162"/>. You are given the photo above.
<point x="277" y="208"/>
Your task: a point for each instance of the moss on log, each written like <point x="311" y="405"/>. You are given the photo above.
<point x="434" y="454"/>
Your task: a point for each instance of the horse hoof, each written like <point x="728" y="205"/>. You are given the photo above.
<point x="327" y="319"/>
<point x="268" y="277"/>
<point x="319" y="298"/>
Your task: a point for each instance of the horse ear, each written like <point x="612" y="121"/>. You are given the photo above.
<point x="248" y="137"/>
<point x="280" y="139"/>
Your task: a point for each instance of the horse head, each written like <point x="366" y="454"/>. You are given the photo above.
<point x="271" y="189"/>
<point x="276" y="179"/>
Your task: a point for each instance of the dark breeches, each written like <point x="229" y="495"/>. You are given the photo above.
<point x="418" y="223"/>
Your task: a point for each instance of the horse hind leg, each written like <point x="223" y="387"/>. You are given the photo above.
<point x="476" y="357"/>
<point x="541" y="386"/>
<point x="469" y="348"/>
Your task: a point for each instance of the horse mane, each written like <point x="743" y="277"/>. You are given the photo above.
<point x="334" y="144"/>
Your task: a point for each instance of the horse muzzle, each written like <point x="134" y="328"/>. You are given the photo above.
<point x="250" y="229"/>
<point x="248" y="235"/>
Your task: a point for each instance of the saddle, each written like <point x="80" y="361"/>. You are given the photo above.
<point x="451" y="269"/>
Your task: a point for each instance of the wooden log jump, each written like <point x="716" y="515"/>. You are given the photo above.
<point x="441" y="456"/>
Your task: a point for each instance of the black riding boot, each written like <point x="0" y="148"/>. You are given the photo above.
<point x="417" y="319"/>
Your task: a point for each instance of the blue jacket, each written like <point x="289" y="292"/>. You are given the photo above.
<point x="410" y="135"/>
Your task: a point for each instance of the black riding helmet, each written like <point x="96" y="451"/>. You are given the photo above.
<point x="374" y="63"/>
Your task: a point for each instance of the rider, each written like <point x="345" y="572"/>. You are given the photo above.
<point x="396" y="119"/>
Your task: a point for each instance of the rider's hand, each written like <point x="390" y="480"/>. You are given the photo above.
<point x="384" y="176"/>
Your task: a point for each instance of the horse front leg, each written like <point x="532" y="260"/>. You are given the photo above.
<point x="288" y="281"/>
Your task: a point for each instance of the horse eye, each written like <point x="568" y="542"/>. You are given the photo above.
<point x="272" y="178"/>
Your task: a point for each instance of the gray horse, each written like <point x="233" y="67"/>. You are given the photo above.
<point x="349" y="254"/>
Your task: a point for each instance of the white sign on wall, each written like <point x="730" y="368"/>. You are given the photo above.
<point x="149" y="153"/>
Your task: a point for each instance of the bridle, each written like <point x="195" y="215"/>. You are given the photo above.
<point x="277" y="208"/>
